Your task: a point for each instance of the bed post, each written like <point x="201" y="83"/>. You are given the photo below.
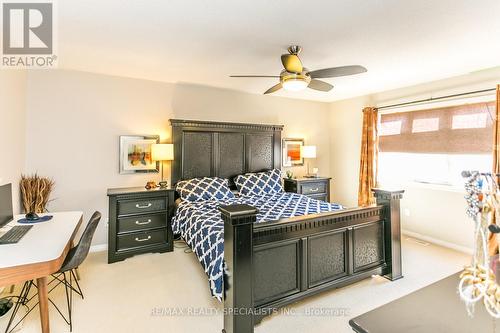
<point x="392" y="234"/>
<point x="238" y="257"/>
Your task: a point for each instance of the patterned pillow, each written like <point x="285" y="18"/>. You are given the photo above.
<point x="206" y="188"/>
<point x="259" y="183"/>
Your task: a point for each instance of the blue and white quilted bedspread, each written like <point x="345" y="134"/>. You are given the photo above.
<point x="201" y="226"/>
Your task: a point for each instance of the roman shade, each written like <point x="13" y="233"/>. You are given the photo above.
<point x="462" y="129"/>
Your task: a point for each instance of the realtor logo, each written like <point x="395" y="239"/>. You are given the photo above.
<point x="28" y="34"/>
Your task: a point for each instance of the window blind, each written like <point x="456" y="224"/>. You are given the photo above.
<point x="462" y="129"/>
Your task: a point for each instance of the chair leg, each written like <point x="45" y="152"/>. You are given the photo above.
<point x="69" y="299"/>
<point x="21" y="301"/>
<point x="77" y="274"/>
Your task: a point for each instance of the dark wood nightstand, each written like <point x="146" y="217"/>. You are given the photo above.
<point x="139" y="222"/>
<point x="317" y="188"/>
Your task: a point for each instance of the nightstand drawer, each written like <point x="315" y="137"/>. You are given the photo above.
<point x="321" y="197"/>
<point x="313" y="188"/>
<point x="141" y="222"/>
<point x="142" y="239"/>
<point x="139" y="206"/>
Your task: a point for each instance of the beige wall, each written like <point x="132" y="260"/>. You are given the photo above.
<point x="428" y="212"/>
<point x="345" y="145"/>
<point x="74" y="120"/>
<point x="12" y="129"/>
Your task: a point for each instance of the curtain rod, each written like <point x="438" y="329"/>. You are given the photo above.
<point x="434" y="99"/>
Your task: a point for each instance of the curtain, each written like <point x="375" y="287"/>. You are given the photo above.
<point x="368" y="160"/>
<point x="493" y="242"/>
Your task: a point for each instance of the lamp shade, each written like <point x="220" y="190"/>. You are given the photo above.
<point x="162" y="152"/>
<point x="308" y="151"/>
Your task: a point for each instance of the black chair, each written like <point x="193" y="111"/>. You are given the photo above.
<point x="65" y="275"/>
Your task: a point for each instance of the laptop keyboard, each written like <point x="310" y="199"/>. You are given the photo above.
<point x="15" y="234"/>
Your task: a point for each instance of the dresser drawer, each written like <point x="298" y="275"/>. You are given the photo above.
<point x="321" y="197"/>
<point x="141" y="222"/>
<point x="142" y="239"/>
<point x="139" y="206"/>
<point x="314" y="188"/>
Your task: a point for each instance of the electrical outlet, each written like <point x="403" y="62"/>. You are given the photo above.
<point x="407" y="212"/>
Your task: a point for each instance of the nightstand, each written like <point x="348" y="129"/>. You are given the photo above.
<point x="139" y="222"/>
<point x="317" y="188"/>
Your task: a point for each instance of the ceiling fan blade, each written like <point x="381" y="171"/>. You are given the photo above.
<point x="275" y="76"/>
<point x="292" y="63"/>
<point x="273" y="89"/>
<point x="337" y="71"/>
<point x="320" y="85"/>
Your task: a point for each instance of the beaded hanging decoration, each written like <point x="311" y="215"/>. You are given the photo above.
<point x="478" y="280"/>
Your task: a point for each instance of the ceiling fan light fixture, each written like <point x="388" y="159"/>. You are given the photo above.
<point x="295" y="84"/>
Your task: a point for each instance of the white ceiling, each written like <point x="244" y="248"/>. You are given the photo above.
<point x="401" y="42"/>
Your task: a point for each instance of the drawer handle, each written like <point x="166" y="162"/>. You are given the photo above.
<point x="143" y="223"/>
<point x="137" y="239"/>
<point x="314" y="189"/>
<point x="144" y="206"/>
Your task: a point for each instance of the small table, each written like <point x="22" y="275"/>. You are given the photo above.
<point x="139" y="221"/>
<point x="316" y="188"/>
<point x="38" y="254"/>
<point x="436" y="308"/>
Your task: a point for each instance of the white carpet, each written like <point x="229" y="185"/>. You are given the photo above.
<point x="169" y="293"/>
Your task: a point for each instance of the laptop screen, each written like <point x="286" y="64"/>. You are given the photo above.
<point x="6" y="214"/>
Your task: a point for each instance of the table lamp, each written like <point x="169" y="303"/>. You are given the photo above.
<point x="162" y="152"/>
<point x="308" y="152"/>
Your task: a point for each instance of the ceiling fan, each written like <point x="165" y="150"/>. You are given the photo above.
<point x="295" y="77"/>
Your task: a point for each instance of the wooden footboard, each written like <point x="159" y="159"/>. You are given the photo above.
<point x="273" y="264"/>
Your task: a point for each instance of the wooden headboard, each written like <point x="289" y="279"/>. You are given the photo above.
<point x="209" y="149"/>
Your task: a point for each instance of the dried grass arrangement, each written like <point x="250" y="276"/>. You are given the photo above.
<point x="35" y="192"/>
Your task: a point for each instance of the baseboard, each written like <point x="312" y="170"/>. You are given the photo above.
<point x="439" y="242"/>
<point x="99" y="248"/>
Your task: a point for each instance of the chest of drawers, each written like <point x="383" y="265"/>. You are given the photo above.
<point x="139" y="222"/>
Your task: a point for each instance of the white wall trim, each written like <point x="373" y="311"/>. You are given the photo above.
<point x="98" y="248"/>
<point x="439" y="242"/>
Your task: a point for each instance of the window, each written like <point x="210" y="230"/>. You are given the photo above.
<point x="434" y="146"/>
<point x="390" y="128"/>
<point x="473" y="120"/>
<point x="425" y="125"/>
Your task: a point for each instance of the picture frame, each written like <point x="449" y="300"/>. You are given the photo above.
<point x="135" y="154"/>
<point x="291" y="152"/>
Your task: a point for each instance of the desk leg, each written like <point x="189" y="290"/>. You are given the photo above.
<point x="43" y="298"/>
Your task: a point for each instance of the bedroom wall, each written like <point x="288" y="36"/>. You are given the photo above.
<point x="12" y="129"/>
<point x="429" y="212"/>
<point x="74" y="120"/>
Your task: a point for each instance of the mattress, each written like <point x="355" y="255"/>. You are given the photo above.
<point x="201" y="226"/>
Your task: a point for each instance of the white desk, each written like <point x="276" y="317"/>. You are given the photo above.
<point x="40" y="253"/>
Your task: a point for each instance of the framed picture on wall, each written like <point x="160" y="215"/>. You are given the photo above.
<point x="135" y="154"/>
<point x="291" y="152"/>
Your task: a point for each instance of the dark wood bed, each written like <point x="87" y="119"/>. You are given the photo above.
<point x="273" y="264"/>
